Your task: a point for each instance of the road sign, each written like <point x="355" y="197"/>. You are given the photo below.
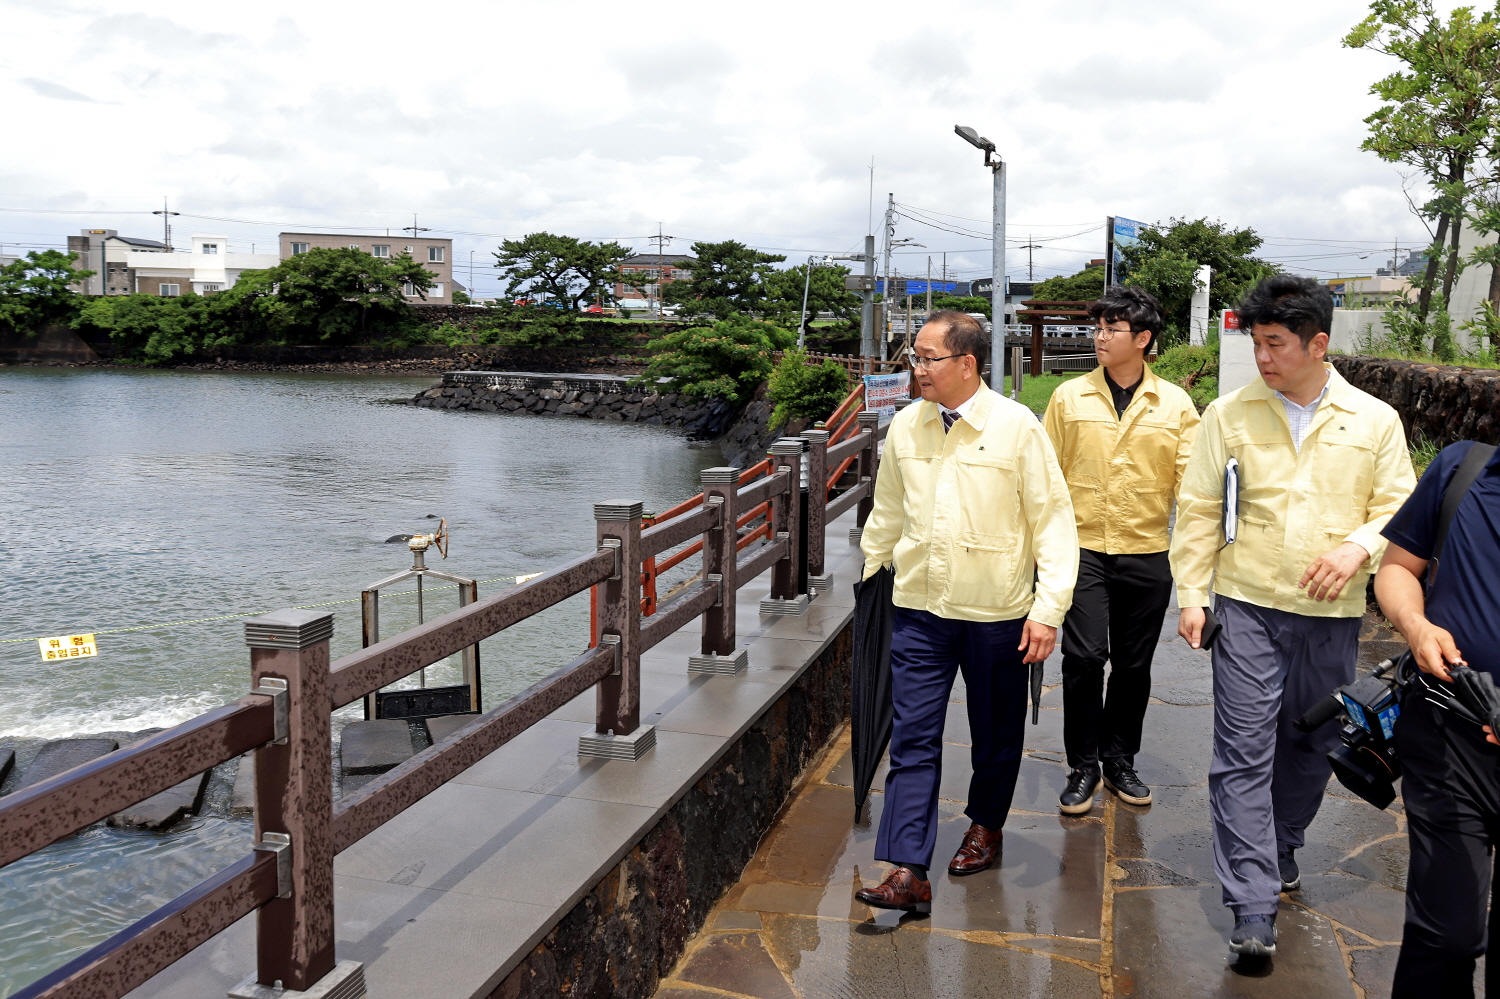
<point x="68" y="647"/>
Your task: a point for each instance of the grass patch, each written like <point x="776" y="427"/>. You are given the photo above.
<point x="1036" y="390"/>
<point x="1477" y="359"/>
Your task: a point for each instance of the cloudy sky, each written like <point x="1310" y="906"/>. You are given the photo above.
<point x="715" y="121"/>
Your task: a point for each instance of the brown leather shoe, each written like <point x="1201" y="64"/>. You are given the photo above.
<point x="980" y="848"/>
<point x="899" y="890"/>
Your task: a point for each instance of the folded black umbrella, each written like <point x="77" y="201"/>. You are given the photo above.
<point x="870" y="710"/>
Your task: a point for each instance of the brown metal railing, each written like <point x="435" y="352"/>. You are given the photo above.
<point x="287" y="880"/>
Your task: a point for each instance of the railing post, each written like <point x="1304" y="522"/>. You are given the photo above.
<point x="720" y="552"/>
<point x="816" y="492"/>
<point x="786" y="453"/>
<point x="618" y="733"/>
<point x="294" y="807"/>
<point x="869" y="421"/>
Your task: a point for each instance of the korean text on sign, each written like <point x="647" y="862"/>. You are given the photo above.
<point x="882" y="391"/>
<point x="68" y="647"/>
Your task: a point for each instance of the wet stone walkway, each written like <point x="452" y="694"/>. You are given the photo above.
<point x="1121" y="902"/>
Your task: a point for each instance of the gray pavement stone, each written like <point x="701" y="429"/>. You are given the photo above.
<point x="64" y="754"/>
<point x="373" y="747"/>
<point x="1174" y="942"/>
<point x="162" y="810"/>
<point x="440" y="728"/>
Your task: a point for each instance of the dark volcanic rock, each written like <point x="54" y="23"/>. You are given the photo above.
<point x="162" y="810"/>
<point x="373" y="747"/>
<point x="65" y="754"/>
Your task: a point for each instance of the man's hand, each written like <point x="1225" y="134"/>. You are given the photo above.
<point x="1325" y="578"/>
<point x="1190" y="624"/>
<point x="1037" y="640"/>
<point x="1432" y="647"/>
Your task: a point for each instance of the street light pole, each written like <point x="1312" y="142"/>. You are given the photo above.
<point x="806" y="285"/>
<point x="997" y="261"/>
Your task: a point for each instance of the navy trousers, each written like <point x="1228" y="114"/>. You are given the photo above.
<point x="927" y="652"/>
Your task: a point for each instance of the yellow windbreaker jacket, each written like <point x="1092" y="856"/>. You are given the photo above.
<point x="975" y="519"/>
<point x="1352" y="474"/>
<point x="1122" y="470"/>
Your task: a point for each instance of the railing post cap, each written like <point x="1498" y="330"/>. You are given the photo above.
<point x="869" y="418"/>
<point x="289" y="629"/>
<point x="720" y="474"/>
<point x="789" y="446"/>
<point x="618" y="509"/>
<point x="817" y="434"/>
<point x="903" y="403"/>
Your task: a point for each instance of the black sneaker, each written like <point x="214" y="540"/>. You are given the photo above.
<point x="1078" y="796"/>
<point x="1291" y="877"/>
<point x="1254" y="936"/>
<point x="1122" y="779"/>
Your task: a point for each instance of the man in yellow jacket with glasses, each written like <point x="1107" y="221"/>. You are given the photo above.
<point x="1122" y="437"/>
<point x="1291" y="481"/>
<point x="972" y="513"/>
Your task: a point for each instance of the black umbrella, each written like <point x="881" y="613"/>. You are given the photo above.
<point x="870" y="710"/>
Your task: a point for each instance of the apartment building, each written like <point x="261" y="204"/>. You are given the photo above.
<point x="126" y="265"/>
<point x="434" y="254"/>
<point x="656" y="270"/>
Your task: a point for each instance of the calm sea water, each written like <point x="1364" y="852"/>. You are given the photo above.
<point x="136" y="498"/>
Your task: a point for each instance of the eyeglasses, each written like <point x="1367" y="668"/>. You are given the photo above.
<point x="1104" y="334"/>
<point x="918" y="361"/>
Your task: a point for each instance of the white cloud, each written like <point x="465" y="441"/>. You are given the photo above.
<point x="716" y="121"/>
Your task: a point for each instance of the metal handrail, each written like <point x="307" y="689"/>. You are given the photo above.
<point x="286" y="719"/>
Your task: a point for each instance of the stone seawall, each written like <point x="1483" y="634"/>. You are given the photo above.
<point x="1440" y="403"/>
<point x="599" y="397"/>
<point x="626" y="934"/>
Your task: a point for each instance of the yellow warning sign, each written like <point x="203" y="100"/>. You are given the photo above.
<point x="68" y="647"/>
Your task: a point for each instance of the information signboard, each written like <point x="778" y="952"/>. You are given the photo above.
<point x="68" y="647"/>
<point x="1119" y="234"/>
<point x="882" y="391"/>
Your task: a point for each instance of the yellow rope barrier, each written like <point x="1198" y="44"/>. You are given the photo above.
<point x="327" y="603"/>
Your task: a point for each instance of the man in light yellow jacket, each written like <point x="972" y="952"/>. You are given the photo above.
<point x="972" y="512"/>
<point x="1320" y="468"/>
<point x="1122" y="437"/>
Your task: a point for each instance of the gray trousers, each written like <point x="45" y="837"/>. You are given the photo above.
<point x="1267" y="779"/>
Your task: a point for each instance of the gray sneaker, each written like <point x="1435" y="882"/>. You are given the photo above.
<point x="1254" y="936"/>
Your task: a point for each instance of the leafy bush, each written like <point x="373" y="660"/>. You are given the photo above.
<point x="34" y="292"/>
<point x="1195" y="368"/>
<point x="724" y="361"/>
<point x="154" y="328"/>
<point x="800" y="389"/>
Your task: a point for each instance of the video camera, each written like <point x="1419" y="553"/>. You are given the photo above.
<point x="1366" y="763"/>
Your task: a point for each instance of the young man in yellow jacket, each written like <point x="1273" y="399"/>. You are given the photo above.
<point x="1320" y="467"/>
<point x="1122" y="437"/>
<point x="972" y="512"/>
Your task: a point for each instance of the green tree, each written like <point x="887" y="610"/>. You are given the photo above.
<point x="560" y="270"/>
<point x="461" y="297"/>
<point x="825" y="293"/>
<point x="727" y="278"/>
<point x="1085" y="286"/>
<point x="724" y="361"/>
<point x="34" y="292"/>
<point x="334" y="296"/>
<point x="1439" y="113"/>
<point x="1164" y="261"/>
<point x="798" y="389"/>
<point x="960" y="303"/>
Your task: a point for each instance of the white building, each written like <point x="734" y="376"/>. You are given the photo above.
<point x="207" y="268"/>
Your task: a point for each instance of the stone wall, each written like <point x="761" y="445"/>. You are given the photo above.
<point x="624" y="936"/>
<point x="1440" y="403"/>
<point x="599" y="397"/>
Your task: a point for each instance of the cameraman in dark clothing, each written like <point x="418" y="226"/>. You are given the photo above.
<point x="1451" y="775"/>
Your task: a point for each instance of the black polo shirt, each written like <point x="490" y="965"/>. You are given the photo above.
<point x="1465" y="596"/>
<point x="1122" y="396"/>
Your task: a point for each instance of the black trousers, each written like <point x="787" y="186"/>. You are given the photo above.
<point x="1119" y="603"/>
<point x="1451" y="788"/>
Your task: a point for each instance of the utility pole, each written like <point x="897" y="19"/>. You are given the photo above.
<point x="166" y="224"/>
<point x="414" y="228"/>
<point x="885" y="295"/>
<point x="867" y="308"/>
<point x="929" y="284"/>
<point x="661" y="242"/>
<point x="1030" y="271"/>
<point x="997" y="261"/>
